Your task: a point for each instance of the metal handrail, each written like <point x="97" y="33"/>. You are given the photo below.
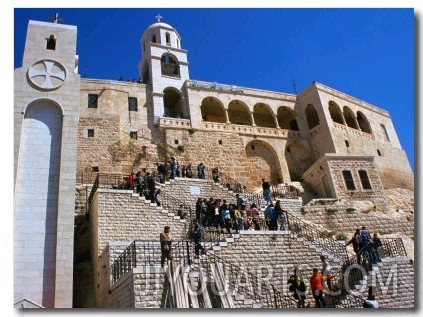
<point x="317" y="237"/>
<point x="146" y="253"/>
<point x="284" y="191"/>
<point x="342" y="284"/>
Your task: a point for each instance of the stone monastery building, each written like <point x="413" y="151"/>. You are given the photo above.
<point x="68" y="128"/>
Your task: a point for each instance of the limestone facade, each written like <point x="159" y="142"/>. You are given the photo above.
<point x="45" y="146"/>
<point x="107" y="126"/>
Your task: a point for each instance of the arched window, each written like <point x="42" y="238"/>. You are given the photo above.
<point x="311" y="116"/>
<point x="172" y="102"/>
<point x="239" y="113"/>
<point x="153" y="39"/>
<point x="170" y="66"/>
<point x="335" y="113"/>
<point x="51" y="43"/>
<point x="167" y="38"/>
<point x="350" y="118"/>
<point x="363" y="123"/>
<point x="212" y="110"/>
<point x="263" y="116"/>
<point x="286" y="119"/>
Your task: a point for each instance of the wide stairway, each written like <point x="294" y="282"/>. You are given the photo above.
<point x="250" y="269"/>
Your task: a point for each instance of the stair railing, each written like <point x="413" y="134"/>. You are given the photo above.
<point x="148" y="253"/>
<point x="353" y="271"/>
<point x="243" y="282"/>
<point x="317" y="237"/>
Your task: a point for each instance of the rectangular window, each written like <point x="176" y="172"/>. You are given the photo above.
<point x="385" y="132"/>
<point x="364" y="178"/>
<point x="90" y="133"/>
<point x="347" y="144"/>
<point x="132" y="104"/>
<point x="92" y="100"/>
<point x="348" y="179"/>
<point x="133" y="135"/>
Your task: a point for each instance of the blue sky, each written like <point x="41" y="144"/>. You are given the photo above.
<point x="366" y="53"/>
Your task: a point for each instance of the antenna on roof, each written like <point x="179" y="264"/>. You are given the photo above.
<point x="56" y="18"/>
<point x="294" y="86"/>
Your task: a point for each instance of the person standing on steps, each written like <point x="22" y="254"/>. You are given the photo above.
<point x="200" y="171"/>
<point x="239" y="220"/>
<point x="165" y="244"/>
<point x="355" y="241"/>
<point x="266" y="190"/>
<point x="197" y="234"/>
<point x="316" y="284"/>
<point x="298" y="287"/>
<point x="371" y="302"/>
<point x="368" y="245"/>
<point x="376" y="245"/>
<point x="281" y="214"/>
<point x="326" y="268"/>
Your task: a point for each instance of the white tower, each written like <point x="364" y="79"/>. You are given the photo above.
<point x="45" y="135"/>
<point x="164" y="68"/>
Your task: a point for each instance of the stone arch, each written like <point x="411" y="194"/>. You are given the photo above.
<point x="37" y="185"/>
<point x="335" y="112"/>
<point x="350" y="119"/>
<point x="363" y="123"/>
<point x="170" y="65"/>
<point x="239" y="113"/>
<point x="262" y="162"/>
<point x="298" y="158"/>
<point x="312" y="116"/>
<point x="263" y="116"/>
<point x="172" y="102"/>
<point x="212" y="110"/>
<point x="286" y="118"/>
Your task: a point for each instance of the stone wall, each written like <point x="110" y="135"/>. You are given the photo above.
<point x="337" y="219"/>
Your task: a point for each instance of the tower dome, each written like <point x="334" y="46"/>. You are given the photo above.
<point x="162" y="34"/>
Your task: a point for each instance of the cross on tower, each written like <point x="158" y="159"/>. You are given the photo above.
<point x="56" y="18"/>
<point x="158" y="17"/>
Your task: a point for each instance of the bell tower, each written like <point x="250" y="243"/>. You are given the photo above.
<point x="46" y="101"/>
<point x="164" y="69"/>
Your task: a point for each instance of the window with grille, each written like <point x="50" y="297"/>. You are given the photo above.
<point x="348" y="179"/>
<point x="92" y="100"/>
<point x="132" y="104"/>
<point x="364" y="178"/>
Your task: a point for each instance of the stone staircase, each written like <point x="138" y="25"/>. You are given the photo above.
<point x="228" y="246"/>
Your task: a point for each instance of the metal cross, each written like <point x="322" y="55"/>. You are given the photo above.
<point x="56" y="18"/>
<point x="158" y="17"/>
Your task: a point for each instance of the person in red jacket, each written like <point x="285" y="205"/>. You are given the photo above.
<point x="316" y="284"/>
